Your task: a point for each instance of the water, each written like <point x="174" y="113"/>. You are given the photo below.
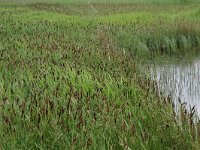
<point x="180" y="80"/>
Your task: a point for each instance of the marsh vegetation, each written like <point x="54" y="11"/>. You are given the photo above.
<point x="70" y="79"/>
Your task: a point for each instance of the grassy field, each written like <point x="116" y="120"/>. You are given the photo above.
<point x="104" y="1"/>
<point x="69" y="77"/>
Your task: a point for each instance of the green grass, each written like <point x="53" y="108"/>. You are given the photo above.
<point x="69" y="77"/>
<point x="104" y="1"/>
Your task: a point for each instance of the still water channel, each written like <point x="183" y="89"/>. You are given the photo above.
<point x="180" y="80"/>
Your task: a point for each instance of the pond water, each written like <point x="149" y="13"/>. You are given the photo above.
<point x="180" y="80"/>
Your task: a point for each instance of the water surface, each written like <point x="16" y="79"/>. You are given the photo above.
<point x="180" y="80"/>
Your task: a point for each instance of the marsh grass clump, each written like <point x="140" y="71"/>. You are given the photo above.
<point x="156" y="43"/>
<point x="70" y="80"/>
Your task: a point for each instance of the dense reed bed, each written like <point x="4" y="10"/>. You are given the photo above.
<point x="69" y="78"/>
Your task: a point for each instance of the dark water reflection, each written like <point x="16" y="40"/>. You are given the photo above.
<point x="180" y="80"/>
